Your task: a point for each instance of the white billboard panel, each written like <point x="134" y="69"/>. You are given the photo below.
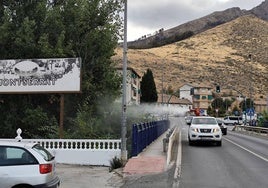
<point x="60" y="75"/>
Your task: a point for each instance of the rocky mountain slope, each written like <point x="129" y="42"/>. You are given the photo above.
<point x="261" y="11"/>
<point x="216" y="56"/>
<point x="198" y="26"/>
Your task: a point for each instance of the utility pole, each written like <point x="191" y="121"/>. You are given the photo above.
<point x="124" y="104"/>
<point x="250" y="90"/>
<point x="162" y="86"/>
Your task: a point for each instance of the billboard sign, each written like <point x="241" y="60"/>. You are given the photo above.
<point x="59" y="75"/>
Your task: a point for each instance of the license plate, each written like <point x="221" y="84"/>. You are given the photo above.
<point x="205" y="138"/>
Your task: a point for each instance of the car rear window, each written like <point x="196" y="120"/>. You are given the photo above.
<point x="43" y="152"/>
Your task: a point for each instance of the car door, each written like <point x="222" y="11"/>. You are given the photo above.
<point x="17" y="166"/>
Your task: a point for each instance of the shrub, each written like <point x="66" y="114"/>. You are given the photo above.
<point x="115" y="163"/>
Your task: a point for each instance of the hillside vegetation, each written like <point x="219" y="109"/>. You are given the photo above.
<point x="216" y="56"/>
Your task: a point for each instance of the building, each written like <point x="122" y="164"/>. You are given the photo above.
<point x="185" y="92"/>
<point x="200" y="96"/>
<point x="173" y="100"/>
<point x="260" y="106"/>
<point x="173" y="104"/>
<point x="133" y="91"/>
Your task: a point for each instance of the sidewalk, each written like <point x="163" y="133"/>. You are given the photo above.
<point x="151" y="160"/>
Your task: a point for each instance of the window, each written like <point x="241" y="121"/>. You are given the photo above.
<point x="235" y="118"/>
<point x="134" y="93"/>
<point x="10" y="156"/>
<point x="204" y="97"/>
<point x="197" y="96"/>
<point x="43" y="152"/>
<point x="204" y="121"/>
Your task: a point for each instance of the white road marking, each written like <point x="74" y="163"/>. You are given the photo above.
<point x="257" y="155"/>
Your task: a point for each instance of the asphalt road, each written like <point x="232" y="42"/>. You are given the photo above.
<point x="241" y="162"/>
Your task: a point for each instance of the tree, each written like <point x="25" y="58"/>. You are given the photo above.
<point x="221" y="105"/>
<point x="246" y="105"/>
<point x="148" y="88"/>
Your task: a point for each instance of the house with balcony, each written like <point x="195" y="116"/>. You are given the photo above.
<point x="199" y="94"/>
<point x="202" y="98"/>
<point x="133" y="92"/>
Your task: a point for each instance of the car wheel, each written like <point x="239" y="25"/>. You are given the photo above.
<point x="190" y="142"/>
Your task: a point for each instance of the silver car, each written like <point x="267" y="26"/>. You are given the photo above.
<point x="26" y="165"/>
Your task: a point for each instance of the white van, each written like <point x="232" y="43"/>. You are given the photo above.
<point x="233" y="120"/>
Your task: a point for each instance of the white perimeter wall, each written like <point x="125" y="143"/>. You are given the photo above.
<point x="79" y="151"/>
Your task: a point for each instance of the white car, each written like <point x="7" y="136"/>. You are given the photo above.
<point x="233" y="120"/>
<point x="204" y="129"/>
<point x="26" y="165"/>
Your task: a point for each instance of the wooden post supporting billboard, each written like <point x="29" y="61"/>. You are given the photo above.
<point x="61" y="115"/>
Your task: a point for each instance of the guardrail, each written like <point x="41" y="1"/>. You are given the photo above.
<point x="144" y="134"/>
<point x="252" y="130"/>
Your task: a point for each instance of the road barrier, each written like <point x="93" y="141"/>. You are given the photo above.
<point x="171" y="139"/>
<point x="144" y="134"/>
<point x="252" y="130"/>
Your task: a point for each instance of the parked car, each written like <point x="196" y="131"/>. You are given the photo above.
<point x="233" y="120"/>
<point x="222" y="126"/>
<point x="204" y="128"/>
<point x="26" y="165"/>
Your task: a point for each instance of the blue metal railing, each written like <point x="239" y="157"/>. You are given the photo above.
<point x="144" y="134"/>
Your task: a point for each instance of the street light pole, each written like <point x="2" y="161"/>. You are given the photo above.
<point x="124" y="105"/>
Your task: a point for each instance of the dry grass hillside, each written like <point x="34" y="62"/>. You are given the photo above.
<point x="216" y="56"/>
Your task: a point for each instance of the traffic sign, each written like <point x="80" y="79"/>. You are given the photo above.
<point x="250" y="111"/>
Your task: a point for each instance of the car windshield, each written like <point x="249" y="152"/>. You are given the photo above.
<point x="204" y="121"/>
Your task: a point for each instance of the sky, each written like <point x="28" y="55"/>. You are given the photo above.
<point x="147" y="16"/>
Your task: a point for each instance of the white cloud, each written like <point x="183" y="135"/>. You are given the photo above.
<point x="139" y="31"/>
<point x="148" y="16"/>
